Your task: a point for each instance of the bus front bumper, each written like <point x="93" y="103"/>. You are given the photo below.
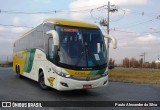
<point x="71" y="84"/>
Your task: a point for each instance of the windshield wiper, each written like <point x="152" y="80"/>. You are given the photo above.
<point x="79" y="59"/>
<point x="89" y="54"/>
<point x="92" y="57"/>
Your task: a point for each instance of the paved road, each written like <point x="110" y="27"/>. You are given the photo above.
<point x="13" y="88"/>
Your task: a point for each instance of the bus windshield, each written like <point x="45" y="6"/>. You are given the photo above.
<point x="81" y="47"/>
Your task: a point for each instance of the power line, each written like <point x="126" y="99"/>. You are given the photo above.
<point x="137" y="12"/>
<point x="14" y="26"/>
<point x="133" y="32"/>
<point x="80" y="9"/>
<point x="100" y="8"/>
<point x="8" y="25"/>
<point x="139" y="23"/>
<point x="123" y="14"/>
<point x="46" y="12"/>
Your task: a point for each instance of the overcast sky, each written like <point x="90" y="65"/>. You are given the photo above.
<point x="136" y="25"/>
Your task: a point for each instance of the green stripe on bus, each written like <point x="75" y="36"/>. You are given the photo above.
<point x="98" y="71"/>
<point x="29" y="60"/>
<point x="101" y="71"/>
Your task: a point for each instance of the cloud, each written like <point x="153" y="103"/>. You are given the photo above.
<point x="148" y="38"/>
<point x="134" y="44"/>
<point x="17" y="30"/>
<point x="6" y="48"/>
<point x="90" y="4"/>
<point x="37" y="19"/>
<point x="3" y="29"/>
<point x="135" y="40"/>
<point x="129" y="2"/>
<point x="16" y="20"/>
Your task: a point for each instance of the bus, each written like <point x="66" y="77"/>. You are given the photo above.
<point x="63" y="54"/>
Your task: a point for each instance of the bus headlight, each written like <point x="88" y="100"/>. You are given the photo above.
<point x="63" y="74"/>
<point x="105" y="73"/>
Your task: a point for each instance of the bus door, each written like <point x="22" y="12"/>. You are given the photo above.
<point x="51" y="57"/>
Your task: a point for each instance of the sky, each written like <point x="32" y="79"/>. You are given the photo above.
<point x="136" y="24"/>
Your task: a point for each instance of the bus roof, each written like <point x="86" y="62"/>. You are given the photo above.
<point x="70" y="23"/>
<point x="64" y="22"/>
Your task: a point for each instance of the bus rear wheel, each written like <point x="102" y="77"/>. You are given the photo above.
<point x="18" y="72"/>
<point x="42" y="81"/>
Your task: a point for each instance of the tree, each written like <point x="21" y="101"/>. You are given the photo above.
<point x="126" y="62"/>
<point x="141" y="62"/>
<point x="111" y="61"/>
<point x="153" y="64"/>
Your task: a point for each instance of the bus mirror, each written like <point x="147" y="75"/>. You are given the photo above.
<point x="55" y="36"/>
<point x="114" y="41"/>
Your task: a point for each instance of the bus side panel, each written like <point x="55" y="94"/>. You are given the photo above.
<point x="30" y="61"/>
<point x="19" y="59"/>
<point x="28" y="64"/>
<point x="39" y="62"/>
<point x="14" y="63"/>
<point x="52" y="78"/>
<point x="24" y="60"/>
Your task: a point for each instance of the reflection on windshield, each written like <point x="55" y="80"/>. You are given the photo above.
<point x="81" y="47"/>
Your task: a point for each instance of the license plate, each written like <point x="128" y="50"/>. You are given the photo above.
<point x="87" y="86"/>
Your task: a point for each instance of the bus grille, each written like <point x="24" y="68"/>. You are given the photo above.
<point x="86" y="78"/>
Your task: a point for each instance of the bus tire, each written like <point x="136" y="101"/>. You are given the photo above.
<point x="42" y="81"/>
<point x="18" y="72"/>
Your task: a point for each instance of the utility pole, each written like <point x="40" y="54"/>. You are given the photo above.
<point x="7" y="60"/>
<point x="105" y="22"/>
<point x="143" y="55"/>
<point x="108" y="19"/>
<point x="158" y="62"/>
<point x="108" y="29"/>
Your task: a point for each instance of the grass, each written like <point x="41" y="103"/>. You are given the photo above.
<point x="135" y="76"/>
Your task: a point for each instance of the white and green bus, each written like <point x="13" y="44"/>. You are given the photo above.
<point x="63" y="54"/>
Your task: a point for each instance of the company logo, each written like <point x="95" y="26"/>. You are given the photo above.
<point x="6" y="104"/>
<point x="88" y="78"/>
<point x="21" y="104"/>
<point x="19" y="55"/>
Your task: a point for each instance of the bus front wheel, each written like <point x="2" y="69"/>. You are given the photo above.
<point x="42" y="82"/>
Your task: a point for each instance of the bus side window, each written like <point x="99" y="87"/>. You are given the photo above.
<point x="51" y="49"/>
